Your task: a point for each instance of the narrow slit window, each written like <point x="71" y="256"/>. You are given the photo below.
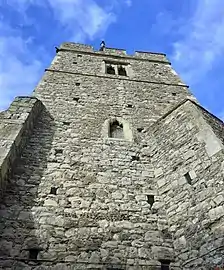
<point x="165" y="264"/>
<point x="110" y="70"/>
<point x="33" y="253"/>
<point x="76" y="99"/>
<point x="65" y="123"/>
<point x="116" y="130"/>
<point x="58" y="151"/>
<point x="150" y="199"/>
<point x="53" y="190"/>
<point x="188" y="178"/>
<point x="140" y="129"/>
<point x="122" y="71"/>
<point x="135" y="158"/>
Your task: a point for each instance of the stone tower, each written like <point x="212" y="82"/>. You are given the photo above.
<point x="111" y="164"/>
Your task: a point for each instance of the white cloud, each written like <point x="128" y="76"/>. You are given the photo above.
<point x="80" y="19"/>
<point x="16" y="78"/>
<point x="202" y="41"/>
<point x="91" y="19"/>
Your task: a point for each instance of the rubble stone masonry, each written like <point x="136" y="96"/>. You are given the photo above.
<point x="109" y="171"/>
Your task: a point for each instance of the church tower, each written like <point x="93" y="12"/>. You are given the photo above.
<point x="110" y="164"/>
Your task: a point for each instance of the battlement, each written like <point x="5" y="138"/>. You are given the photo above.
<point x="16" y="125"/>
<point x="138" y="55"/>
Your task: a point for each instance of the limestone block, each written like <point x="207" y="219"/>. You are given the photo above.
<point x="212" y="143"/>
<point x="95" y="257"/>
<point x="117" y="195"/>
<point x="216" y="213"/>
<point x="158" y="172"/>
<point x="161" y="182"/>
<point x="192" y="174"/>
<point x="6" y="247"/>
<point x="219" y="199"/>
<point x="144" y="253"/>
<point x="50" y="202"/>
<point x="110" y="244"/>
<point x="180" y="243"/>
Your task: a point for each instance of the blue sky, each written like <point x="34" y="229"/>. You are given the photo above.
<point x="190" y="32"/>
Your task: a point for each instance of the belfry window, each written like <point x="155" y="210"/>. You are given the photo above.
<point x="116" y="130"/>
<point x="116" y="68"/>
<point x="110" y="70"/>
<point x="122" y="71"/>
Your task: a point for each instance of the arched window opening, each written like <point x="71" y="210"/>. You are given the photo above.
<point x="116" y="130"/>
<point x="122" y="71"/>
<point x="110" y="69"/>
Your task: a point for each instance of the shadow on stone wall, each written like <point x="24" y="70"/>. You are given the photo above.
<point x="19" y="244"/>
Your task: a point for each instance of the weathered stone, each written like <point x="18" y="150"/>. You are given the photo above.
<point x="50" y="202"/>
<point x="6" y="247"/>
<point x="105" y="143"/>
<point x="144" y="253"/>
<point x="158" y="172"/>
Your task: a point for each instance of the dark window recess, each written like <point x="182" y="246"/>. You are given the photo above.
<point x="66" y="123"/>
<point x="77" y="84"/>
<point x="79" y="55"/>
<point x="110" y="70"/>
<point x="150" y="199"/>
<point x="116" y="130"/>
<point x="188" y="178"/>
<point x="122" y="71"/>
<point x="33" y="253"/>
<point x="76" y="99"/>
<point x="140" y="129"/>
<point x="165" y="264"/>
<point x="75" y="62"/>
<point x="53" y="190"/>
<point x="135" y="158"/>
<point x="58" y="151"/>
<point x="174" y="94"/>
<point x="130" y="106"/>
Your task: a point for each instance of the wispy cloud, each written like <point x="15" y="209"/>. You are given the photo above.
<point x="16" y="77"/>
<point x="128" y="3"/>
<point x="20" y="63"/>
<point x="201" y="41"/>
<point x="84" y="19"/>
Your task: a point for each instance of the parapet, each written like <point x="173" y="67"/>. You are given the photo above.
<point x="77" y="47"/>
<point x="83" y="48"/>
<point x="16" y="125"/>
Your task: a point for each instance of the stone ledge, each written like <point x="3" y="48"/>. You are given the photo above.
<point x="115" y="78"/>
<point x="14" y="135"/>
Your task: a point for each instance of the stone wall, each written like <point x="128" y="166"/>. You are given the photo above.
<point x="16" y="125"/>
<point x="81" y="199"/>
<point x="189" y="176"/>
